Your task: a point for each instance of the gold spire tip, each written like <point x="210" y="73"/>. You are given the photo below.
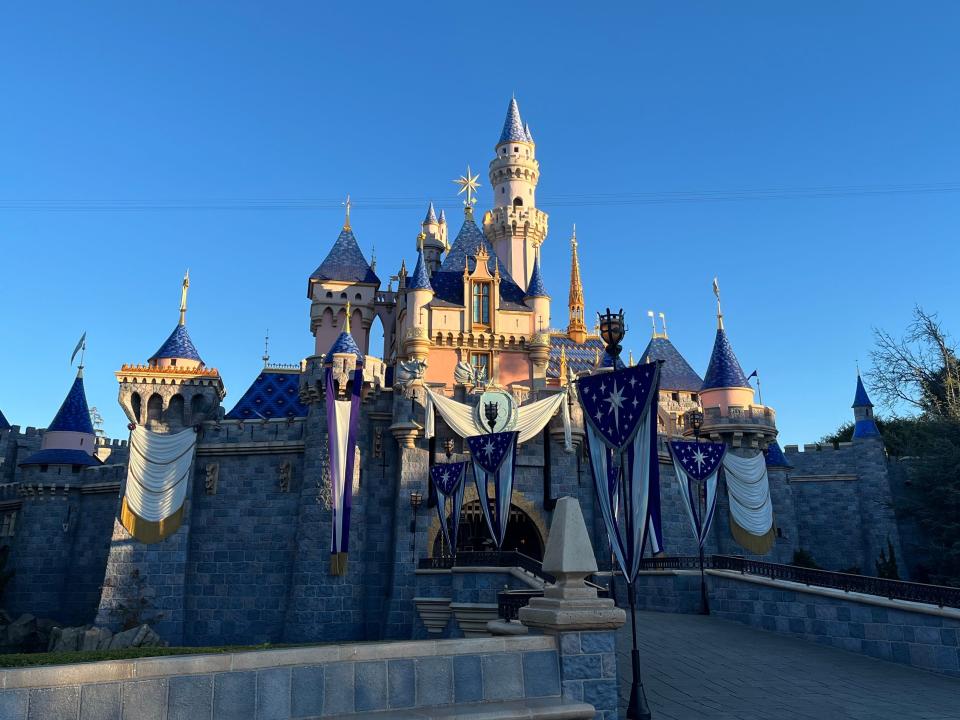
<point x="346" y="220"/>
<point x="183" y="297"/>
<point x="346" y="319"/>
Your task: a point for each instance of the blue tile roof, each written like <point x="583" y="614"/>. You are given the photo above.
<point x="775" y="457"/>
<point x="178" y="345"/>
<point x="866" y="428"/>
<point x="344" y="344"/>
<point x="724" y="370"/>
<point x="526" y="131"/>
<point x="443" y="217"/>
<point x="73" y="415"/>
<point x="431" y="214"/>
<point x="581" y="357"/>
<point x="536" y="288"/>
<point x="675" y="373"/>
<point x="4" y="425"/>
<point x="448" y="280"/>
<point x="512" y="125"/>
<point x="53" y="456"/>
<point x="420" y="280"/>
<point x="345" y="262"/>
<point x="273" y="394"/>
<point x="861" y="399"/>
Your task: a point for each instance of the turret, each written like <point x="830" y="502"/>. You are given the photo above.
<point x="434" y="240"/>
<point x="537" y="298"/>
<point x="515" y="226"/>
<point x="175" y="389"/>
<point x="864" y="425"/>
<point x="69" y="439"/>
<point x="419" y="295"/>
<point x="576" y="329"/>
<point x="343" y="276"/>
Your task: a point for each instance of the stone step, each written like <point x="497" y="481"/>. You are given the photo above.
<point x="551" y="708"/>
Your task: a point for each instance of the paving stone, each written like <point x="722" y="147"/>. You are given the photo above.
<point x="401" y="684"/>
<point x="434" y="681"/>
<point x="234" y="695"/>
<point x="371" y="686"/>
<point x="190" y="696"/>
<point x="502" y="676"/>
<point x="273" y="694"/>
<point x="99" y="702"/>
<point x="50" y="703"/>
<point x="13" y="704"/>
<point x="467" y="679"/>
<point x="541" y="674"/>
<point x="306" y="691"/>
<point x="144" y="699"/>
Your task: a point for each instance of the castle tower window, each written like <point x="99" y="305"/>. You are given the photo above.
<point x="516" y="149"/>
<point x="518" y="202"/>
<point x="481" y="303"/>
<point x="481" y="363"/>
<point x="9" y="525"/>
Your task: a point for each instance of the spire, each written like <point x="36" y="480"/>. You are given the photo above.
<point x="864" y="425"/>
<point x="346" y="319"/>
<point x="513" y="126"/>
<point x="443" y="216"/>
<point x="74" y="413"/>
<point x="724" y="370"/>
<point x="536" y="287"/>
<point x="420" y="280"/>
<point x="861" y="399"/>
<point x="346" y="218"/>
<point x="576" y="330"/>
<point x="63" y="442"/>
<point x="345" y="344"/>
<point x="431" y="215"/>
<point x="526" y="131"/>
<point x="183" y="298"/>
<point x="716" y="291"/>
<point x="562" y="371"/>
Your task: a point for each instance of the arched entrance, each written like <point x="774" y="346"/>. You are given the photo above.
<point x="473" y="535"/>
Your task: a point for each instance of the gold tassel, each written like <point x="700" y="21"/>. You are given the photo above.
<point x="149" y="531"/>
<point x="338" y="563"/>
<point x="755" y="544"/>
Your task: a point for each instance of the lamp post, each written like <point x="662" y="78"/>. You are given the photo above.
<point x="612" y="329"/>
<point x="695" y="421"/>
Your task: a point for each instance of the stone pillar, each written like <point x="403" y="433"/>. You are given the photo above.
<point x="583" y="623"/>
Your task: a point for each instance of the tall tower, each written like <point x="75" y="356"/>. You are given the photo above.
<point x="864" y="424"/>
<point x="576" y="330"/>
<point x="434" y="239"/>
<point x="515" y="226"/>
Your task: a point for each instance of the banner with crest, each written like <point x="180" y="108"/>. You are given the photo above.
<point x="494" y="460"/>
<point x="447" y="479"/>
<point x="620" y="412"/>
<point x="697" y="466"/>
<point x="342" y="421"/>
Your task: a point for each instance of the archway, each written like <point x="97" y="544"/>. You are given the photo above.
<point x="474" y="536"/>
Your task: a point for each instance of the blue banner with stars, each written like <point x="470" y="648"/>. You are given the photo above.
<point x="620" y="415"/>
<point x="447" y="479"/>
<point x="494" y="459"/>
<point x="697" y="466"/>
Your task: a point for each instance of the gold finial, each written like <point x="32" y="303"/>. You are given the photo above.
<point x="183" y="297"/>
<point x="653" y="321"/>
<point x="346" y="220"/>
<point x="716" y="291"/>
<point x="562" y="370"/>
<point x="346" y="319"/>
<point x="373" y="258"/>
<point x="573" y="238"/>
<point x="468" y="184"/>
<point x="663" y="324"/>
<point x="266" y="348"/>
<point x="631" y="358"/>
<point x="596" y="357"/>
<point x="420" y="238"/>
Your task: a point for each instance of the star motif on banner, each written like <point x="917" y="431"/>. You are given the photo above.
<point x="615" y="398"/>
<point x="488" y="448"/>
<point x="698" y="456"/>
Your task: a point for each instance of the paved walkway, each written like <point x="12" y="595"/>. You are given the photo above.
<point x="703" y="668"/>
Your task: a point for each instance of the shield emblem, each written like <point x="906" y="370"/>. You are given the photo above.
<point x="496" y="412"/>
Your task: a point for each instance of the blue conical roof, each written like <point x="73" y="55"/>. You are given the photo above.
<point x="420" y="280"/>
<point x="536" y="288"/>
<point x="431" y="214"/>
<point x="178" y="345"/>
<point x="724" y="370"/>
<point x="861" y="399"/>
<point x="513" y="127"/>
<point x="4" y="425"/>
<point x="675" y="373"/>
<point x="344" y="344"/>
<point x="775" y="456"/>
<point x="443" y="216"/>
<point x="526" y="131"/>
<point x="345" y="262"/>
<point x="74" y="414"/>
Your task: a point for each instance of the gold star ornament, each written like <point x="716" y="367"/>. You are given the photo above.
<point x="468" y="184"/>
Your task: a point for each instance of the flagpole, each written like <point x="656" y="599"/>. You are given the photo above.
<point x="637" y="709"/>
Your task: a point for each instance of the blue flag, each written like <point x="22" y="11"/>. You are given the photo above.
<point x="697" y="466"/>
<point x="447" y="479"/>
<point x="494" y="459"/>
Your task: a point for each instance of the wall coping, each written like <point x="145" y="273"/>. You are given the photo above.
<point x="514" y="572"/>
<point x="904" y="605"/>
<point x="168" y="666"/>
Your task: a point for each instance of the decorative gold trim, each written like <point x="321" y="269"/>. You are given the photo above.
<point x="338" y="563"/>
<point x="757" y="544"/>
<point x="149" y="531"/>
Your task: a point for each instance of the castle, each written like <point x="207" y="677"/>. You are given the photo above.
<point x="249" y="560"/>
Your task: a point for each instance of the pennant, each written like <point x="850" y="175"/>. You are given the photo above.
<point x="81" y="344"/>
<point x="447" y="479"/>
<point x="697" y="466"/>
<point x="342" y="421"/>
<point x="494" y="460"/>
<point x="620" y="411"/>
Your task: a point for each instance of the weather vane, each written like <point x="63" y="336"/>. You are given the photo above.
<point x="468" y="184"/>
<point x="346" y="221"/>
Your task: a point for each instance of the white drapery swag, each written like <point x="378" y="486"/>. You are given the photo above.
<point x="748" y="488"/>
<point x="531" y="419"/>
<point x="687" y="488"/>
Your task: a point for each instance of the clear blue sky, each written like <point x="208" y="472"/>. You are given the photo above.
<point x="191" y="104"/>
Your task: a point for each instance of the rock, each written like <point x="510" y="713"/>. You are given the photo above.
<point x="141" y="636"/>
<point x="123" y="639"/>
<point x="21" y="631"/>
<point x="69" y="639"/>
<point x="95" y="638"/>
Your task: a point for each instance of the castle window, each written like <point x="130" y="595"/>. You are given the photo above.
<point x="675" y="397"/>
<point x="693" y="396"/>
<point x="481" y="303"/>
<point x="516" y="149"/>
<point x="173" y="362"/>
<point x="503" y="190"/>
<point x="481" y="363"/>
<point x="518" y="202"/>
<point x="9" y="524"/>
<point x="343" y="296"/>
<point x="358" y="296"/>
<point x="329" y="294"/>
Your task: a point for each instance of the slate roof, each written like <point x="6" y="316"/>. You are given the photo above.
<point x="581" y="357"/>
<point x="4" y="425"/>
<point x="775" y="457"/>
<point x="53" y="456"/>
<point x="512" y="126"/>
<point x="273" y="394"/>
<point x="431" y="214"/>
<point x="448" y="280"/>
<point x="443" y="216"/>
<point x="866" y="428"/>
<point x="344" y="344"/>
<point x="536" y="288"/>
<point x="178" y="345"/>
<point x="861" y="399"/>
<point x="526" y="131"/>
<point x="74" y="414"/>
<point x="724" y="370"/>
<point x="420" y="280"/>
<point x="675" y="373"/>
<point x="345" y="262"/>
